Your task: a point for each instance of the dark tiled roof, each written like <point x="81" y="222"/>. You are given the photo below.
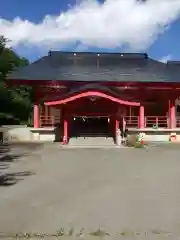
<point x="123" y="67"/>
<point x="173" y="63"/>
<point x="173" y="68"/>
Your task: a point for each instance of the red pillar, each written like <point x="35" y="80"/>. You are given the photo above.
<point x="116" y="127"/>
<point x="36" y="116"/>
<point x="172" y="114"/>
<point x="65" y="137"/>
<point x="141" y="117"/>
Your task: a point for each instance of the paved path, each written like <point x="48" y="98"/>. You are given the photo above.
<point x="113" y="189"/>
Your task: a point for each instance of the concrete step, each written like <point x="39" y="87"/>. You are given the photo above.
<point x="91" y="141"/>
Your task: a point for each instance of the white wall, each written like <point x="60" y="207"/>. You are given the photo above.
<point x="18" y="134"/>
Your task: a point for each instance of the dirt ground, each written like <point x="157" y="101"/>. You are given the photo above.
<point x="44" y="188"/>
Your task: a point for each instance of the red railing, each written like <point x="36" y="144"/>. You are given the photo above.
<point x="131" y="121"/>
<point x="160" y="121"/>
<point x="49" y="121"/>
<point x="177" y="122"/>
<point x="46" y="121"/>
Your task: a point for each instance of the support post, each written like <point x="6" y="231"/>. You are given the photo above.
<point x="116" y="127"/>
<point x="172" y="114"/>
<point x="65" y="137"/>
<point x="36" y="116"/>
<point x="141" y="117"/>
<point x="117" y="134"/>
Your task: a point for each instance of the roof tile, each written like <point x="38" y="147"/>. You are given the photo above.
<point x="118" y="67"/>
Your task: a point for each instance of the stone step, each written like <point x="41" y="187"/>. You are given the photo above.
<point x="91" y="141"/>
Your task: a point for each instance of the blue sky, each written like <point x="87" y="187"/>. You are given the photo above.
<point x="28" y="41"/>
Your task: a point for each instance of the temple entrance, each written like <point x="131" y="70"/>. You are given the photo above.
<point x="91" y="131"/>
<point x="89" y="114"/>
<point x="85" y="126"/>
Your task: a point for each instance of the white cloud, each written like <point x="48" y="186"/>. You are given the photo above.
<point x="164" y="59"/>
<point x="115" y="23"/>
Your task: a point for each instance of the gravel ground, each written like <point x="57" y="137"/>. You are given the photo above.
<point x="45" y="188"/>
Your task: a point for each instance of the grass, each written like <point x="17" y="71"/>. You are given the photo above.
<point x="99" y="233"/>
<point x="132" y="142"/>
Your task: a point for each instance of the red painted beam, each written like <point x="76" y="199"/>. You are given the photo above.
<point x="160" y="85"/>
<point x="89" y="94"/>
<point x="92" y="114"/>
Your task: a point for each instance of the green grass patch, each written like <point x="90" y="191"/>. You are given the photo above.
<point x="99" y="233"/>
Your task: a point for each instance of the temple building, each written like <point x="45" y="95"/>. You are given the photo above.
<point x="87" y="94"/>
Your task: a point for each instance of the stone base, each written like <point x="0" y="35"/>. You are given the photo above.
<point x="43" y="134"/>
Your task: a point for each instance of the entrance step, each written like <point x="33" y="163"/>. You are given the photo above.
<point x="91" y="141"/>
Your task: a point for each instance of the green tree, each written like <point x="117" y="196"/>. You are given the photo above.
<point x="17" y="101"/>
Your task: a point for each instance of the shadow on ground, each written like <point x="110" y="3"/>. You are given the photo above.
<point x="9" y="179"/>
<point x="11" y="153"/>
<point x="6" y="156"/>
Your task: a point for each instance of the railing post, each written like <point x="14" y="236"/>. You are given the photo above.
<point x="116" y="127"/>
<point x="53" y="122"/>
<point x="40" y="121"/>
<point x="157" y="122"/>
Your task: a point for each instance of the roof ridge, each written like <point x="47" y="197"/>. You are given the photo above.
<point x="120" y="54"/>
<point x="157" y="62"/>
<point x="173" y="62"/>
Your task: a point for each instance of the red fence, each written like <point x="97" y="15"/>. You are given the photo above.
<point x="161" y="121"/>
<point x="150" y="121"/>
<point x="131" y="121"/>
<point x="177" y="122"/>
<point x="49" y="121"/>
<point x="46" y="121"/>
